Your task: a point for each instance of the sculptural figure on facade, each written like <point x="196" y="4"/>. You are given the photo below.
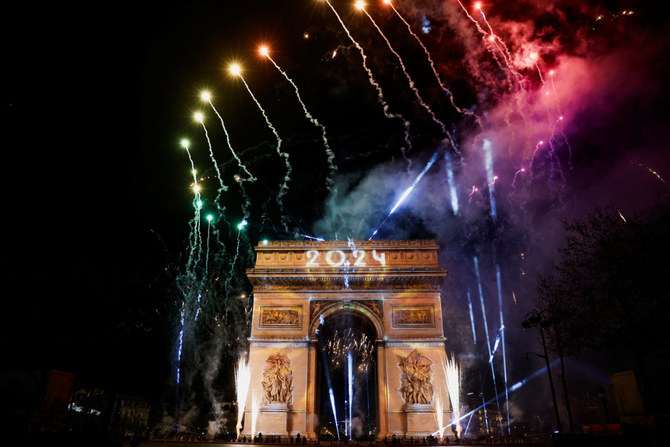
<point x="277" y="380"/>
<point x="416" y="386"/>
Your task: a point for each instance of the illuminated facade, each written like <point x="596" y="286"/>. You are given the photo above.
<point x="394" y="286"/>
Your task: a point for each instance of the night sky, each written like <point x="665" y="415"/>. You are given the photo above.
<point x="96" y="97"/>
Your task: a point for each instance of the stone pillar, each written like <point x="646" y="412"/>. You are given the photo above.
<point x="311" y="392"/>
<point x="382" y="389"/>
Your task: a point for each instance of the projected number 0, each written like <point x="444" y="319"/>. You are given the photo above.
<point x="337" y="258"/>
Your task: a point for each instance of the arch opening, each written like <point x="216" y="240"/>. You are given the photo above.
<point x="347" y="391"/>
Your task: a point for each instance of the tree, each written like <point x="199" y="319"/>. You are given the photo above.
<point x="609" y="291"/>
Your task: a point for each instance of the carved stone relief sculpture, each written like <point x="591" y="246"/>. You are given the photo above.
<point x="415" y="381"/>
<point x="277" y="380"/>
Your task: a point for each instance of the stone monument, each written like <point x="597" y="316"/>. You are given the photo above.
<point x="395" y="285"/>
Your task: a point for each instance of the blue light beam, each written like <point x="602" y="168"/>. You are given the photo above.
<point x="407" y="192"/>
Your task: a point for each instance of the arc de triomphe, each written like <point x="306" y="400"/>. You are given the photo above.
<point x="395" y="285"/>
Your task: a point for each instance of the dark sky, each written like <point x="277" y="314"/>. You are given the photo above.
<point x="96" y="97"/>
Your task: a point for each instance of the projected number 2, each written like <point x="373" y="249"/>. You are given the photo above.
<point x="337" y="258"/>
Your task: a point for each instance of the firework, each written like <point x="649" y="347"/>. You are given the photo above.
<point x="197" y="205"/>
<point x="236" y="70"/>
<point x="490" y="177"/>
<point x="453" y="192"/>
<point x="486" y="331"/>
<point x="439" y="415"/>
<point x="332" y="168"/>
<point x="207" y="97"/>
<point x="374" y="83"/>
<point x="412" y="86"/>
<point x="199" y="117"/>
<point x="407" y="192"/>
<point x="452" y="372"/>
<point x="242" y="382"/>
<point x="338" y="347"/>
<point x="472" y="318"/>
<point x="502" y="342"/>
<point x="432" y="66"/>
<point x="255" y="411"/>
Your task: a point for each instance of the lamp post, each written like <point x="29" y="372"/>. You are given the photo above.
<point x="534" y="319"/>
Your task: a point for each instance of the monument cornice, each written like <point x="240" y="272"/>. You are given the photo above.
<point x="346" y="279"/>
<point x="428" y="244"/>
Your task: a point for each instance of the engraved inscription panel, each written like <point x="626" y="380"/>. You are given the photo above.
<point x="413" y="316"/>
<point x="286" y="317"/>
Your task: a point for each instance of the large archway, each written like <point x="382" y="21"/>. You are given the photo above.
<point x="308" y="294"/>
<point x="346" y="377"/>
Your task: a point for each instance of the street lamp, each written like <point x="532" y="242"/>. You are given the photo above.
<point x="534" y="319"/>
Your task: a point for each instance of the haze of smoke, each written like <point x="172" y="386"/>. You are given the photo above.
<point x="213" y="429"/>
<point x="212" y="365"/>
<point x="588" y="85"/>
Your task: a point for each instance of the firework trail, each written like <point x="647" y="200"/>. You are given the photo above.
<point x="554" y="160"/>
<point x="621" y="215"/>
<point x="534" y="57"/>
<point x="553" y="88"/>
<point x="330" y="181"/>
<point x="339" y="346"/>
<point x="407" y="192"/>
<point x="472" y="318"/>
<point x="205" y="96"/>
<point x="432" y="66"/>
<point x="486" y="417"/>
<point x="502" y="341"/>
<point x="486" y="331"/>
<point x="560" y="114"/>
<point x="283" y="189"/>
<point x="468" y="424"/>
<point x="453" y="374"/>
<point x="209" y="226"/>
<point x="373" y="82"/>
<point x="240" y="226"/>
<point x="490" y="177"/>
<point x="197" y="303"/>
<point x="479" y="27"/>
<point x="328" y="346"/>
<point x="246" y="204"/>
<point x="439" y="415"/>
<point x="255" y="411"/>
<point x="499" y="44"/>
<point x="242" y="382"/>
<point x="180" y="344"/>
<point x="195" y="242"/>
<point x="200" y="118"/>
<point x="453" y="192"/>
<point x="361" y="6"/>
<point x="516" y="174"/>
<point x="651" y="171"/>
<point x="514" y="387"/>
<point x="472" y="193"/>
<point x="490" y="40"/>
